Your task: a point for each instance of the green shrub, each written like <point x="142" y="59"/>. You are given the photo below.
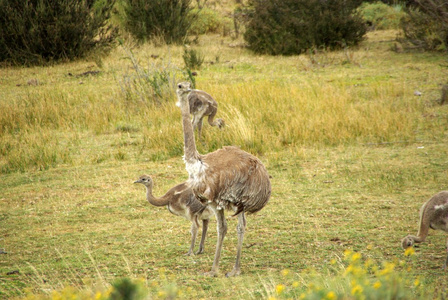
<point x="126" y="289"/>
<point x="169" y="20"/>
<point x="39" y="31"/>
<point x="293" y="26"/>
<point x="193" y="59"/>
<point x="209" y="21"/>
<point x="426" y="26"/>
<point x="382" y="16"/>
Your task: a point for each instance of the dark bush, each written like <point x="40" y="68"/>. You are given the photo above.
<point x="169" y="20"/>
<point x="426" y="26"/>
<point x="292" y="26"/>
<point x="39" y="31"/>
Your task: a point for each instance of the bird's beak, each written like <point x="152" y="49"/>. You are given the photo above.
<point x="137" y="181"/>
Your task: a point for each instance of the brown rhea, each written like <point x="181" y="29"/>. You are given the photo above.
<point x="228" y="178"/>
<point x="433" y="214"/>
<point x="181" y="201"/>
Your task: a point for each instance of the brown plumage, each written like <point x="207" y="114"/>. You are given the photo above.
<point x="433" y="214"/>
<point x="181" y="201"/>
<point x="229" y="178"/>
<point x="202" y="104"/>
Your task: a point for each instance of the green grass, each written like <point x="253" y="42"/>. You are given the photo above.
<point x="352" y="152"/>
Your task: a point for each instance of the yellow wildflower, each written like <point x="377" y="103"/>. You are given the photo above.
<point x="295" y="284"/>
<point x="347" y="253"/>
<point x="333" y="261"/>
<point x="409" y="251"/>
<point x="356" y="257"/>
<point x="55" y="296"/>
<point x="98" y="295"/>
<point x="331" y="295"/>
<point x="285" y="272"/>
<point x="272" y="298"/>
<point x="388" y="268"/>
<point x="368" y="263"/>
<point x="280" y="288"/>
<point x="108" y="292"/>
<point x="377" y="285"/>
<point x="417" y="282"/>
<point x="357" y="289"/>
<point x="348" y="270"/>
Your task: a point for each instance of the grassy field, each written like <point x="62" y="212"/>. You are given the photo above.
<point x="352" y="151"/>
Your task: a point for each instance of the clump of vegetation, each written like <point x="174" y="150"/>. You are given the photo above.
<point x="382" y="16"/>
<point x="292" y="27"/>
<point x="193" y="59"/>
<point x="426" y="26"/>
<point x="153" y="84"/>
<point x="167" y="20"/>
<point x="43" y="152"/>
<point x="353" y="278"/>
<point x="126" y="289"/>
<point x="209" y="21"/>
<point x="36" y="32"/>
<point x="357" y="280"/>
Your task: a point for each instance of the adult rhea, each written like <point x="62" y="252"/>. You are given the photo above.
<point x="228" y="178"/>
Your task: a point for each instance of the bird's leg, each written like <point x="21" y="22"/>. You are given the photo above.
<point x="240" y="228"/>
<point x="194" y="233"/>
<point x="197" y="119"/>
<point x="222" y="230"/>
<point x="445" y="267"/>
<point x="204" y="233"/>
<point x="199" y="125"/>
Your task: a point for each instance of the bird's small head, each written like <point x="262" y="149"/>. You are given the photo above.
<point x="145" y="180"/>
<point x="407" y="242"/>
<point x="183" y="88"/>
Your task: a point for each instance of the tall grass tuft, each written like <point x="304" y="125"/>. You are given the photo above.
<point x="36" y="150"/>
<point x="277" y="114"/>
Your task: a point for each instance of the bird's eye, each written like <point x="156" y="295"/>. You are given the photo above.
<point x="179" y="86"/>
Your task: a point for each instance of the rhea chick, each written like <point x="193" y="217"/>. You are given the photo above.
<point x="433" y="214"/>
<point x="202" y="104"/>
<point x="181" y="201"/>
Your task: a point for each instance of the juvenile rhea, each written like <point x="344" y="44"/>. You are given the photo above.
<point x="228" y="178"/>
<point x="433" y="214"/>
<point x="181" y="201"/>
<point x="202" y="104"/>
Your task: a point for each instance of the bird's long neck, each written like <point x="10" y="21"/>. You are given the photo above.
<point x="423" y="227"/>
<point x="162" y="201"/>
<point x="191" y="153"/>
<point x="418" y="239"/>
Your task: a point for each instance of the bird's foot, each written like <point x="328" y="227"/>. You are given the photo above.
<point x="234" y="272"/>
<point x="199" y="252"/>
<point x="211" y="274"/>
